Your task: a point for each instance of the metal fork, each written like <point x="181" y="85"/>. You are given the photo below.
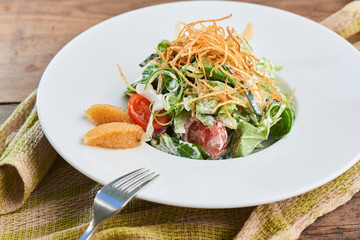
<point x="114" y="196"/>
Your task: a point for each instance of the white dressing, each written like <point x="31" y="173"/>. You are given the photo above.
<point x="150" y="94"/>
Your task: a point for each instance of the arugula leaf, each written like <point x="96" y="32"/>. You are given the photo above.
<point x="283" y="126"/>
<point x="150" y="69"/>
<point x="148" y="59"/>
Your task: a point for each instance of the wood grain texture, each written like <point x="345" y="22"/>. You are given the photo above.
<point x="33" y="31"/>
<point x="340" y="224"/>
<point x="6" y="110"/>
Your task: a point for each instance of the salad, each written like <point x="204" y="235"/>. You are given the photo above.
<point x="205" y="95"/>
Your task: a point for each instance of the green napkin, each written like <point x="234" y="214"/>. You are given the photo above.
<point x="59" y="205"/>
<point x="26" y="155"/>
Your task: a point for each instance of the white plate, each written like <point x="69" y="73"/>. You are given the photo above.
<point x="324" y="141"/>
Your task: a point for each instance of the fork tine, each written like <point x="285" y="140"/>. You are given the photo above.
<point x="141" y="183"/>
<point x="124" y="177"/>
<point x="126" y="182"/>
<point x="136" y="182"/>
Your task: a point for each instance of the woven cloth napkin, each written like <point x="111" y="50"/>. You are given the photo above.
<point x="43" y="197"/>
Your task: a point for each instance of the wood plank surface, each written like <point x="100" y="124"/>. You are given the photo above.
<point x="340" y="224"/>
<point x="6" y="110"/>
<point x="33" y="31"/>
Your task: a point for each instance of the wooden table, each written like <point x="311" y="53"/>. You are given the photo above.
<point x="33" y="31"/>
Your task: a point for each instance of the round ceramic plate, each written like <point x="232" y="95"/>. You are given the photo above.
<point x="323" y="143"/>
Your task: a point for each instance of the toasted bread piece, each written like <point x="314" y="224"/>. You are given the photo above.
<point x="105" y="113"/>
<point x="116" y="135"/>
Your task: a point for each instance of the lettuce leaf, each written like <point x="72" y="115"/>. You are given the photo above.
<point x="278" y="120"/>
<point x="175" y="146"/>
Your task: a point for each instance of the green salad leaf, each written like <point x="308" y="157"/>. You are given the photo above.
<point x="177" y="147"/>
<point x="278" y="120"/>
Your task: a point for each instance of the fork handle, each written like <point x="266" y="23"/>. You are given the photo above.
<point x="89" y="230"/>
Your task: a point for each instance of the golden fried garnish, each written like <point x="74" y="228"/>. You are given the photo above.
<point x="105" y="113"/>
<point x="114" y="135"/>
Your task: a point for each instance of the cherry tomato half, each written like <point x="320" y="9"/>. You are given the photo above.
<point x="138" y="109"/>
<point x="213" y="140"/>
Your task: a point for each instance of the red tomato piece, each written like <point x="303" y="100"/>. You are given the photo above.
<point x="139" y="111"/>
<point x="213" y="140"/>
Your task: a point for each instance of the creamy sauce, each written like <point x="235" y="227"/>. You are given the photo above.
<point x="150" y="94"/>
